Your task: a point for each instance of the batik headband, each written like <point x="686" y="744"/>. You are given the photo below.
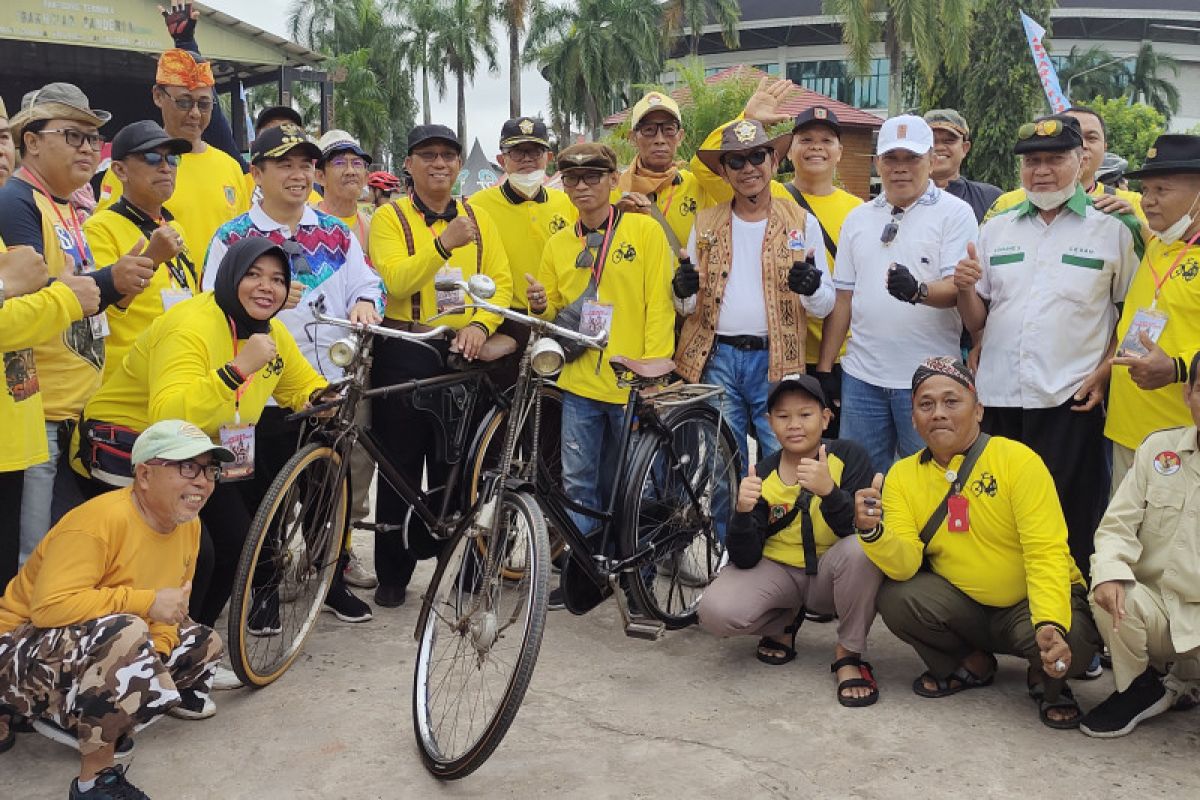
<point x="950" y="367"/>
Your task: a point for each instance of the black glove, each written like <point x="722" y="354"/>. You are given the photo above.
<point x="804" y="277"/>
<point x="686" y="281"/>
<point x="181" y="26"/>
<point x="902" y="284"/>
<point x="831" y="387"/>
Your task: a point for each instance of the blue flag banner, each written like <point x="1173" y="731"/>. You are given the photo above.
<point x="1059" y="102"/>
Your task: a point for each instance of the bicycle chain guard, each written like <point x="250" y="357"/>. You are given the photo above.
<point x="448" y="405"/>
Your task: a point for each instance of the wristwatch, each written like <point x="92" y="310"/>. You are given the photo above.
<point x="922" y="293"/>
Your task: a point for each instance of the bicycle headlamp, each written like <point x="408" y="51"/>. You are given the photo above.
<point x="482" y="286"/>
<point x="547" y="357"/>
<point x="343" y="351"/>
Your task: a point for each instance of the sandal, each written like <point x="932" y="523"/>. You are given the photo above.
<point x="780" y="653"/>
<point x="867" y="680"/>
<point x="964" y="677"/>
<point x="1066" y="700"/>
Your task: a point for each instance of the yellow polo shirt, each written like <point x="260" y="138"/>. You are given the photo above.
<point x="679" y="203"/>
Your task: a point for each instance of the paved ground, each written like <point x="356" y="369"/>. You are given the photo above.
<point x="612" y="717"/>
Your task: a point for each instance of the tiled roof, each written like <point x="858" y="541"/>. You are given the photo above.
<point x="796" y="100"/>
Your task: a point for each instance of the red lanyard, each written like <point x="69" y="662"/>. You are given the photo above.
<point x="1158" y="282"/>
<point x="602" y="253"/>
<point x="72" y="227"/>
<point x="241" y="390"/>
<point x="670" y="195"/>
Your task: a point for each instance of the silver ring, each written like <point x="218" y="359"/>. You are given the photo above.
<point x="1060" y="666"/>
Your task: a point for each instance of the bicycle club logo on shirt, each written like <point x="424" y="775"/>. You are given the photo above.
<point x="1188" y="269"/>
<point x="557" y="223"/>
<point x="985" y="484"/>
<point x="624" y="252"/>
<point x="687" y="206"/>
<point x="780" y="511"/>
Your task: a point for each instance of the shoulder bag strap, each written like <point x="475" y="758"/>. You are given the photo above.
<point x="411" y="244"/>
<point x="672" y="239"/>
<point x="803" y="203"/>
<point x="964" y="472"/>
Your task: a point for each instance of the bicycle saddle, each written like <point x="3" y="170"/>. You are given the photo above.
<point x="649" y="368"/>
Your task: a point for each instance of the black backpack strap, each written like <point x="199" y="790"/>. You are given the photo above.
<point x="807" y="536"/>
<point x="798" y="196"/>
<point x="146" y="227"/>
<point x="964" y="473"/>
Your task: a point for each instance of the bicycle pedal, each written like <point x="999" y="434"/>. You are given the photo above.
<point x="378" y="527"/>
<point x="648" y="629"/>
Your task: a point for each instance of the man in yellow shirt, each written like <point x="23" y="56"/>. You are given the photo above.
<point x="342" y="171"/>
<point x="95" y="639"/>
<point x="8" y="150"/>
<point x="983" y="515"/>
<point x="1159" y="329"/>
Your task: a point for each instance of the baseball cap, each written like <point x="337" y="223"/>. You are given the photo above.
<point x="949" y="119"/>
<point x="144" y="136"/>
<point x="336" y="141"/>
<point x="278" y="112"/>
<point x="425" y="133"/>
<point x="279" y="141"/>
<point x="175" y="440"/>
<point x="818" y="115"/>
<point x="524" y="129"/>
<point x="797" y="382"/>
<point x="905" y="132"/>
<point x="588" y="155"/>
<point x="653" y="101"/>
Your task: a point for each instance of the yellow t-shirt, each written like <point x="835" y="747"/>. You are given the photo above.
<point x="525" y="226"/>
<point x="210" y="190"/>
<point x="1016" y="545"/>
<point x="636" y="282"/>
<point x="111" y="236"/>
<point x="679" y="203"/>
<point x="1135" y="413"/>
<point x="171" y="373"/>
<point x="101" y="559"/>
<point x="1017" y="196"/>
<point x="831" y="209"/>
<point x="404" y="273"/>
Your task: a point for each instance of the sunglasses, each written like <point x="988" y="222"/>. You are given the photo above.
<point x="736" y="162"/>
<point x="572" y="179"/>
<point x="892" y="228"/>
<point x="204" y="104"/>
<point x="75" y="137"/>
<point x="431" y="156"/>
<point x="153" y="159"/>
<point x="587" y="258"/>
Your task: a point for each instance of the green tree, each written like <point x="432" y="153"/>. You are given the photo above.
<point x="417" y="22"/>
<point x="1147" y="85"/>
<point x="462" y="44"/>
<point x="515" y="15"/>
<point x="936" y="31"/>
<point x="693" y="15"/>
<point x="1131" y="129"/>
<point x="1094" y="72"/>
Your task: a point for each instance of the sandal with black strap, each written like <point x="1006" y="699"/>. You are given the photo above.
<point x="1065" y="701"/>
<point x="963" y="679"/>
<point x="776" y="653"/>
<point x="867" y="680"/>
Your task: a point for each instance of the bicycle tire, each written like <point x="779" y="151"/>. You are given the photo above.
<point x="471" y="635"/>
<point x="306" y="556"/>
<point x="657" y="509"/>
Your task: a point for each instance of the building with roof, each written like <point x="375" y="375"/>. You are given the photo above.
<point x="110" y="48"/>
<point x="796" y="39"/>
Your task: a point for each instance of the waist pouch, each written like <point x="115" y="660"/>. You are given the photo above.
<point x="569" y="318"/>
<point x="104" y="451"/>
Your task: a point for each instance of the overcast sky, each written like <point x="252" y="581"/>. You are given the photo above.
<point x="487" y="99"/>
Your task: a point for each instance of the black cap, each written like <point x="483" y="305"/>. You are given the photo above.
<point x="425" y="133"/>
<point x="279" y="141"/>
<point x="1172" y="153"/>
<point x="1054" y="132"/>
<point x="802" y="383"/>
<point x="818" y="115"/>
<point x="278" y="112"/>
<point x="144" y="136"/>
<point x="524" y="129"/>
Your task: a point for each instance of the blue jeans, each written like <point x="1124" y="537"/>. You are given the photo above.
<point x="880" y="420"/>
<point x="743" y="374"/>
<point x="591" y="436"/>
<point x="50" y="491"/>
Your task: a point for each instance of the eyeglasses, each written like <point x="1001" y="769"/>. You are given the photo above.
<point x="651" y="129"/>
<point x="430" y="157"/>
<point x="190" y="469"/>
<point x="572" y="179"/>
<point x="892" y="228"/>
<point x="153" y="159"/>
<point x="524" y="153"/>
<point x="357" y="163"/>
<point x="204" y="104"/>
<point x="75" y="137"/>
<point x="736" y="162"/>
<point x="587" y="258"/>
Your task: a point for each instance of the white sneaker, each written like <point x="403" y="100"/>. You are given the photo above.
<point x="190" y="707"/>
<point x="225" y="678"/>
<point x="357" y="574"/>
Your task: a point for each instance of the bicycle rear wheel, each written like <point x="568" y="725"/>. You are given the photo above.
<point x="677" y="505"/>
<point x="287" y="564"/>
<point x="480" y="641"/>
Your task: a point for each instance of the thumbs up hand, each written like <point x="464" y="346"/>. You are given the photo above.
<point x="868" y="505"/>
<point x="749" y="491"/>
<point x="813" y="474"/>
<point x="535" y="294"/>
<point x="969" y="270"/>
<point x="1154" y="370"/>
<point x="687" y="279"/>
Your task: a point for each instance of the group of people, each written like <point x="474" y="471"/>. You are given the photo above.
<point x="944" y="385"/>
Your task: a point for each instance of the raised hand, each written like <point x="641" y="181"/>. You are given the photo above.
<point x="763" y="105"/>
<point x="133" y="270"/>
<point x="535" y="294"/>
<point x="86" y="290"/>
<point x="868" y="505"/>
<point x="969" y="270"/>
<point x="804" y="277"/>
<point x="255" y="353"/>
<point x="180" y="20"/>
<point x="686" y="281"/>
<point x="461" y="231"/>
<point x="23" y="271"/>
<point x="165" y="244"/>
<point x="749" y="491"/>
<point x="813" y="474"/>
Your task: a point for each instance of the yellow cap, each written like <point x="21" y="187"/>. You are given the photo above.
<point x="653" y="101"/>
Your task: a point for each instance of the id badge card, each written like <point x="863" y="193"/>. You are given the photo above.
<point x="1149" y="321"/>
<point x="239" y="440"/>
<point x="173" y="297"/>
<point x="596" y="317"/>
<point x="449" y="298"/>
<point x="99" y="323"/>
<point x="958" y="514"/>
<point x="795" y="240"/>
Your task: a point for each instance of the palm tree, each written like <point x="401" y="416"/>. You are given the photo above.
<point x="695" y="14"/>
<point x="417" y="22"/>
<point x="937" y="32"/>
<point x="464" y="35"/>
<point x="515" y="14"/>
<point x="1094" y="72"/>
<point x="1146" y="86"/>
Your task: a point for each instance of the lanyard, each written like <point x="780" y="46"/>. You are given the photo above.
<point x="146" y="225"/>
<point x="1158" y="282"/>
<point x="72" y="227"/>
<point x="241" y="390"/>
<point x="670" y="196"/>
<point x="602" y="253"/>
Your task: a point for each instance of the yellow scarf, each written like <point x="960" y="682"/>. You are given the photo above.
<point x="644" y="181"/>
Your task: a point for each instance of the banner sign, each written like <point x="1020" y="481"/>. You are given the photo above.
<point x="1059" y="102"/>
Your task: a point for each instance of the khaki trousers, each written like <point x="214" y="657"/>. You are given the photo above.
<point x="1144" y="639"/>
<point x="1122" y="463"/>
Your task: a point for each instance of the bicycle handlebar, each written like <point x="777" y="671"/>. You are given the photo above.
<point x="379" y="330"/>
<point x="597" y="342"/>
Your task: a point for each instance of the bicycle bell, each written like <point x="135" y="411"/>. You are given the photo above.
<point x="343" y="351"/>
<point x="482" y="286"/>
<point x="547" y="357"/>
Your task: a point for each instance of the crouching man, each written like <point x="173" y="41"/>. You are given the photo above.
<point x="95" y="641"/>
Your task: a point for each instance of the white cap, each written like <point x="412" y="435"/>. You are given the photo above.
<point x="905" y="132"/>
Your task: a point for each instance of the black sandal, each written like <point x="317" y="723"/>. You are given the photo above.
<point x="867" y="680"/>
<point x="784" y="653"/>
<point x="966" y="680"/>
<point x="1066" y="700"/>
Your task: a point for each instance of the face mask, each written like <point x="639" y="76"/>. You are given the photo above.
<point x="1048" y="201"/>
<point x="1175" y="232"/>
<point x="527" y="183"/>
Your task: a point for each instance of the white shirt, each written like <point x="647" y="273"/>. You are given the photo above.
<point x="1052" y="290"/>
<point x="889" y="338"/>
<point x="743" y="308"/>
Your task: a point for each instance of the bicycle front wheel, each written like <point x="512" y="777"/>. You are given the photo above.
<point x="678" y="503"/>
<point x="480" y="641"/>
<point x="287" y="564"/>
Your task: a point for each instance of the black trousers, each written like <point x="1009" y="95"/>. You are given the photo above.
<point x="1072" y="445"/>
<point x="834" y="424"/>
<point x="11" y="485"/>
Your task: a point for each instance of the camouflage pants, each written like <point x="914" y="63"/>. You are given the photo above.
<point x="101" y="678"/>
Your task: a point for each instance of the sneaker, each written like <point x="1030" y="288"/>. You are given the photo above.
<point x="1094" y="669"/>
<point x="342" y="603"/>
<point x="264" y="614"/>
<point x="1118" y="715"/>
<point x="193" y="706"/>
<point x="357" y="574"/>
<point x="813" y="616"/>
<point x="111" y="784"/>
<point x="69" y="738"/>
<point x="225" y="678"/>
<point x="556" y="601"/>
<point x="389" y="596"/>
